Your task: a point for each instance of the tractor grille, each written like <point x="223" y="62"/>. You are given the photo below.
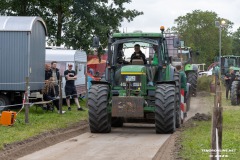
<point x="134" y="81"/>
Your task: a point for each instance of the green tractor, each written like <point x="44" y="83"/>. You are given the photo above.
<point x="124" y="95"/>
<point x="190" y="69"/>
<point x="185" y="57"/>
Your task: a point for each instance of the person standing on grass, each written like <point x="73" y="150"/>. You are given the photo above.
<point x="70" y="88"/>
<point x="229" y="78"/>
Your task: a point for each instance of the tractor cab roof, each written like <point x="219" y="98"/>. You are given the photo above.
<point x="130" y="42"/>
<point x="137" y="35"/>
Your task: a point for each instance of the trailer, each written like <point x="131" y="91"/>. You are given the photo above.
<point x="22" y="54"/>
<point x="77" y="58"/>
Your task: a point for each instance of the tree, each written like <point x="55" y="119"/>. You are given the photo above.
<point x="236" y="42"/>
<point x="73" y="22"/>
<point x="199" y="32"/>
<point x="95" y="18"/>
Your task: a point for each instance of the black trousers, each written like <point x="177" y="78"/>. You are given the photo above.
<point x="56" y="87"/>
<point x="55" y="101"/>
<point x="228" y="89"/>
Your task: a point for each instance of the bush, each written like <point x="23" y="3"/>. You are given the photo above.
<point x="204" y="83"/>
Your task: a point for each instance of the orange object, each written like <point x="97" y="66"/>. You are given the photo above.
<point x="8" y="118"/>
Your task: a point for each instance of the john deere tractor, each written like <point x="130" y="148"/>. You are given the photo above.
<point x="124" y="94"/>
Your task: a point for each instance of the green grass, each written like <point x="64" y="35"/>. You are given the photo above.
<point x="196" y="138"/>
<point x="39" y="122"/>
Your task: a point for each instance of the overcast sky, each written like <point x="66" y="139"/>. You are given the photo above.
<point x="159" y="12"/>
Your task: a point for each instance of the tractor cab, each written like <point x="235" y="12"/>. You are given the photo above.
<point x="230" y="61"/>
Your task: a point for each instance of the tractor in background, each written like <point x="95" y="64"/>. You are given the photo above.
<point x="232" y="62"/>
<point x="183" y="56"/>
<point x="124" y="94"/>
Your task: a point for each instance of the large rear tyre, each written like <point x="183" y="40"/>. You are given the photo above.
<point x="99" y="117"/>
<point x="235" y="90"/>
<point x="178" y="99"/>
<point x="165" y="114"/>
<point x="192" y="79"/>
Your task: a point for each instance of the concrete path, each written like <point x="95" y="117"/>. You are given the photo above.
<point x="132" y="142"/>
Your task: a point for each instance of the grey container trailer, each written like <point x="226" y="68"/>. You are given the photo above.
<point x="22" y="54"/>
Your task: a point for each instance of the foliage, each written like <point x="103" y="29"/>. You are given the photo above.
<point x="204" y="82"/>
<point x="199" y="32"/>
<point x="236" y="42"/>
<point x="74" y="22"/>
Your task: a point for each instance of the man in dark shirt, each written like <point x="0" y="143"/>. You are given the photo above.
<point x="229" y="78"/>
<point x="138" y="54"/>
<point x="70" y="89"/>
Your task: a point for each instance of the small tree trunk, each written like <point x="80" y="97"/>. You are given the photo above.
<point x="59" y="26"/>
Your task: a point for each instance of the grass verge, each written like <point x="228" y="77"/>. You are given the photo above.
<point x="40" y="121"/>
<point x="196" y="140"/>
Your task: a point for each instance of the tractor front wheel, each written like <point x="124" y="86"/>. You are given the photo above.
<point x="178" y="99"/>
<point x="165" y="114"/>
<point x="99" y="117"/>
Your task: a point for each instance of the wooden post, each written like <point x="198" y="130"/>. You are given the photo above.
<point x="60" y="94"/>
<point x="86" y="86"/>
<point x="26" y="105"/>
<point x="217" y="121"/>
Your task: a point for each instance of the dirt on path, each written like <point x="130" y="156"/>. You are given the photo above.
<point x="168" y="151"/>
<point x="19" y="149"/>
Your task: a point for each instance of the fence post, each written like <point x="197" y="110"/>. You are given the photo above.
<point x="60" y="94"/>
<point x="216" y="141"/>
<point x="86" y="87"/>
<point x="26" y="105"/>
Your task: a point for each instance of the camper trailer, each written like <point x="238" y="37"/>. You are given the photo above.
<point x="22" y="54"/>
<point x="64" y="57"/>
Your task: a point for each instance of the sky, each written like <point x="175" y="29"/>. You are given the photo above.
<point x="162" y="13"/>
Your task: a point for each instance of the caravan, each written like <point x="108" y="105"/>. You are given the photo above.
<point x="64" y="57"/>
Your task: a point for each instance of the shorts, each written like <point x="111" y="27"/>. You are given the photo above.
<point x="70" y="92"/>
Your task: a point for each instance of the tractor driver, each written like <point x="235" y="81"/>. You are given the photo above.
<point x="138" y="54"/>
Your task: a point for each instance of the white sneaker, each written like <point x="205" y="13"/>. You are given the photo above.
<point x="62" y="112"/>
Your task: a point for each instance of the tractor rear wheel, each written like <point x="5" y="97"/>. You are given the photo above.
<point x="99" y="117"/>
<point x="165" y="114"/>
<point x="192" y="79"/>
<point x="235" y="90"/>
<point x="178" y="99"/>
